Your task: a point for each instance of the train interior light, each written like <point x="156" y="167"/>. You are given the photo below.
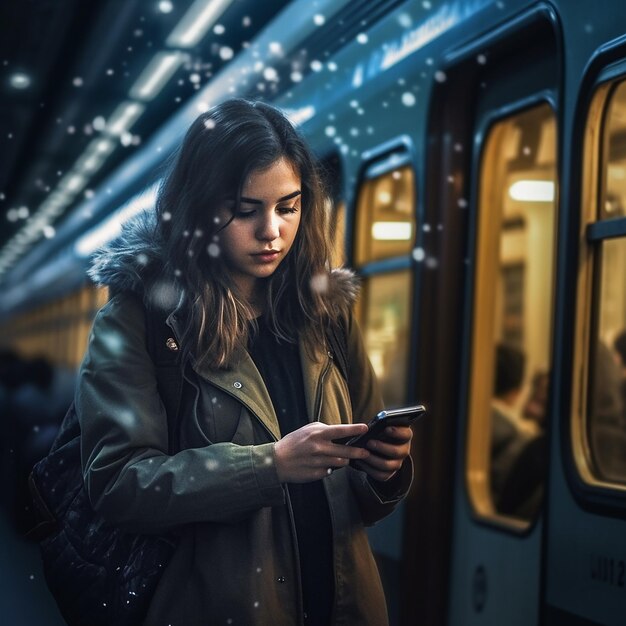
<point x="392" y="231"/>
<point x="532" y="191"/>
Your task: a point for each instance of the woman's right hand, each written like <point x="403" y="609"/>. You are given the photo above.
<point x="307" y="454"/>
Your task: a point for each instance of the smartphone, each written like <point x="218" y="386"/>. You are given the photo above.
<point x="404" y="416"/>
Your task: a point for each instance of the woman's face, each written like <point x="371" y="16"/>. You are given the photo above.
<point x="261" y="234"/>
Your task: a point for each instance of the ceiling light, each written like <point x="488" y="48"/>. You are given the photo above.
<point x="156" y="74"/>
<point x="124" y="117"/>
<point x="532" y="191"/>
<point x="196" y="22"/>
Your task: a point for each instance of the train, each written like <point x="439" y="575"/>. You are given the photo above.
<point x="475" y="157"/>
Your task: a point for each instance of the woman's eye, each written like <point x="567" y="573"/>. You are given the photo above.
<point x="289" y="209"/>
<point x="246" y="213"/>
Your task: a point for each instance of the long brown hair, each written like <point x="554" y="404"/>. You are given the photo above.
<point x="220" y="150"/>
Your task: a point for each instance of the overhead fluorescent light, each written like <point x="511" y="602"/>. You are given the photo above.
<point x="196" y="22"/>
<point x="73" y="182"/>
<point x="301" y="115"/>
<point x="392" y="231"/>
<point x="111" y="227"/>
<point x="156" y="74"/>
<point x="124" y="117"/>
<point x="532" y="191"/>
<point x="94" y="156"/>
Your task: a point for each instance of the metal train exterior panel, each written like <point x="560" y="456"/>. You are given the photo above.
<point x="475" y="152"/>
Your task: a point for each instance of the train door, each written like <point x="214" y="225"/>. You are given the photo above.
<point x="384" y="228"/>
<point x="586" y="531"/>
<point x="509" y="186"/>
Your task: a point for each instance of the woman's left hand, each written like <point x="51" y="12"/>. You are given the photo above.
<point x="387" y="456"/>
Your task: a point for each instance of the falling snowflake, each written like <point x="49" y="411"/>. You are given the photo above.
<point x="408" y="99"/>
<point x="405" y="20"/>
<point x="276" y="48"/>
<point x="316" y="65"/>
<point x="440" y="76"/>
<point x="165" y="6"/>
<point x="319" y="283"/>
<point x="419" y="255"/>
<point x="362" y="38"/>
<point x="209" y="124"/>
<point x="481" y="59"/>
<point x="269" y="73"/>
<point x="77" y="82"/>
<point x="219" y="29"/>
<point x="296" y="77"/>
<point x="211" y="464"/>
<point x="226" y="53"/>
<point x="319" y="19"/>
<point x="213" y="250"/>
<point x="462" y="203"/>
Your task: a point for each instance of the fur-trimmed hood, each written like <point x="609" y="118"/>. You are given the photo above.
<point x="134" y="262"/>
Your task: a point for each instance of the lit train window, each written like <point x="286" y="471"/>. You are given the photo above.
<point x="386" y="222"/>
<point x="599" y="416"/>
<point x="385" y="230"/>
<point x="513" y="309"/>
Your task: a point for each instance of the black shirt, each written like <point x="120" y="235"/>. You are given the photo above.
<point x="279" y="365"/>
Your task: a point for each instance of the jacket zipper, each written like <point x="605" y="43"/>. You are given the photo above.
<point x="289" y="508"/>
<point x="319" y="395"/>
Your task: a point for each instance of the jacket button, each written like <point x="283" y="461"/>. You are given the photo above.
<point x="281" y="579"/>
<point x="171" y="344"/>
<point x="237" y="385"/>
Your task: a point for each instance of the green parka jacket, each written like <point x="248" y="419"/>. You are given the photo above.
<point x="236" y="561"/>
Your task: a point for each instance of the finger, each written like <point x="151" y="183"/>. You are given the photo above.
<point x="399" y="433"/>
<point x="391" y="450"/>
<point x="347" y="452"/>
<point x="382" y="464"/>
<point x="337" y="431"/>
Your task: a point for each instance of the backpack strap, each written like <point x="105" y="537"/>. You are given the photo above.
<point x="337" y="337"/>
<point x="166" y="356"/>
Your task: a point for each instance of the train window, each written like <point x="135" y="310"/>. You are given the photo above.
<point x="385" y="229"/>
<point x="599" y="416"/>
<point x="385" y="310"/>
<point x="513" y="308"/>
<point x="385" y="214"/>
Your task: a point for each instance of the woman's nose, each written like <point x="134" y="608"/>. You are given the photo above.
<point x="268" y="229"/>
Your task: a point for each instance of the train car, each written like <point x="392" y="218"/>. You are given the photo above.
<point x="475" y="153"/>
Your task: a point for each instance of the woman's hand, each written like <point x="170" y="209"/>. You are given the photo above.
<point x="307" y="454"/>
<point x="387" y="456"/>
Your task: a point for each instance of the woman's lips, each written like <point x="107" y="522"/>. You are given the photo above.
<point x="266" y="257"/>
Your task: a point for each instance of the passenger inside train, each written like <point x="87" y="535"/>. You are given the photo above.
<point x="517" y="448"/>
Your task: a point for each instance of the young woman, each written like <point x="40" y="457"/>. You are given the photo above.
<point x="268" y="512"/>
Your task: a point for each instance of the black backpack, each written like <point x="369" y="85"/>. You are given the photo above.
<point x="99" y="574"/>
